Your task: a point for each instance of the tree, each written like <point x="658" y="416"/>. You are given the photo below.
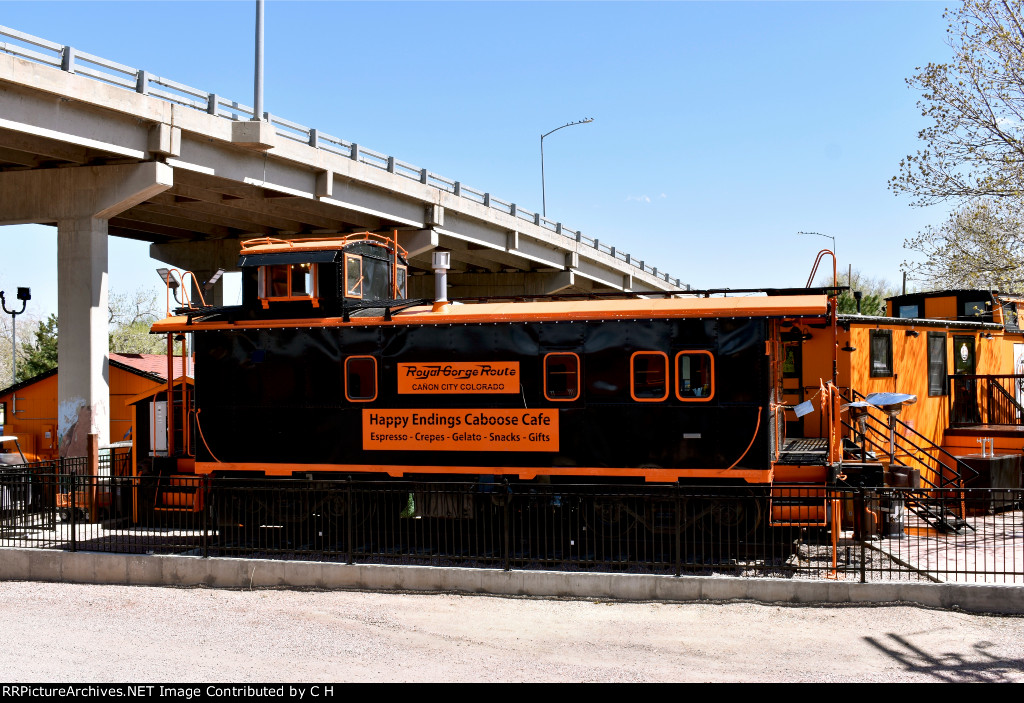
<point x="974" y="147"/>
<point x="874" y="292"/>
<point x="130" y="317"/>
<point x="981" y="245"/>
<point x="41" y="355"/>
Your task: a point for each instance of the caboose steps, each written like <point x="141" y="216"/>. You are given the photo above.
<point x="798" y="506"/>
<point x="178" y="493"/>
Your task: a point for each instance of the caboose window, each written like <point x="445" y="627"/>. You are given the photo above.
<point x="353" y="276"/>
<point x="401" y="282"/>
<point x="695" y="376"/>
<point x="287" y="281"/>
<point x="561" y="376"/>
<point x="649" y="376"/>
<point x="881" y="353"/>
<point x="361" y="378"/>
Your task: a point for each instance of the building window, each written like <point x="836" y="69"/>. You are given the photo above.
<point x="881" y="353"/>
<point x="976" y="309"/>
<point x="695" y="376"/>
<point x="909" y="311"/>
<point x="561" y="376"/>
<point x="936" y="363"/>
<point x="649" y="376"/>
<point x="361" y="379"/>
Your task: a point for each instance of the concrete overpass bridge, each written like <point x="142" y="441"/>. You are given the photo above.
<point x="101" y="149"/>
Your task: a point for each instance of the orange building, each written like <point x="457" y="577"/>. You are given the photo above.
<point x="956" y="351"/>
<point x="28" y="410"/>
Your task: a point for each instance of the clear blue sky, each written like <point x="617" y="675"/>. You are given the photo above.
<point x="721" y="128"/>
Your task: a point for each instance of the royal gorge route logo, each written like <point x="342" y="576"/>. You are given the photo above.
<point x="459" y="377"/>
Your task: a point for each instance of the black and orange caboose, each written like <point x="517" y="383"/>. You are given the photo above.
<point x="328" y="369"/>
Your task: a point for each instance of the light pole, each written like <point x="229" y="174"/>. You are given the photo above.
<point x="543" y="192"/>
<point x="257" y="112"/>
<point x="24" y="295"/>
<point x="826" y="236"/>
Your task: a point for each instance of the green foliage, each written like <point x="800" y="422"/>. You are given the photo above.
<point x="978" y="246"/>
<point x="130" y="317"/>
<point x="134" y="338"/>
<point x="39" y="355"/>
<point x="874" y="292"/>
<point x="973" y="152"/>
<point x="973" y="146"/>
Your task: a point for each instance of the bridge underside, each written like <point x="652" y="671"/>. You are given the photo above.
<point x="97" y="159"/>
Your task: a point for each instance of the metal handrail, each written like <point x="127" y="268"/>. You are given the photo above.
<point x="991" y="384"/>
<point x="959" y="466"/>
<point x="70" y="60"/>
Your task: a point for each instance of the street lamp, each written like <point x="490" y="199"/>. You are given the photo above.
<point x="835" y="275"/>
<point x="24" y="295"/>
<point x="543" y="192"/>
<point x="257" y="111"/>
<point x="826" y="236"/>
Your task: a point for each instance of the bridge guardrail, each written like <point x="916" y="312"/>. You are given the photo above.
<point x="69" y="59"/>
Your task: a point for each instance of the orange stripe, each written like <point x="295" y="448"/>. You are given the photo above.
<point x="523" y="472"/>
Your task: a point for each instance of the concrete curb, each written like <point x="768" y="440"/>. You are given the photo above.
<point x="158" y="570"/>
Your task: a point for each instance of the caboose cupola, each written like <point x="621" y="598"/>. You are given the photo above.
<point x="296" y="276"/>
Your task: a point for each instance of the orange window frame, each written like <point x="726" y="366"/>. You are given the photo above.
<point x="632" y="376"/>
<point x="359" y="283"/>
<point x="265" y="283"/>
<point x="579" y="367"/>
<point x="711" y="376"/>
<point x="376" y="385"/>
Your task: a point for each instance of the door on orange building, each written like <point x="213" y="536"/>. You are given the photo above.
<point x="966" y="409"/>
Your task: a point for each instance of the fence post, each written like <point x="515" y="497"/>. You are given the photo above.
<point x="92" y="444"/>
<point x="863" y="552"/>
<point x="679" y="537"/>
<point x="73" y="511"/>
<point x="506" y="513"/>
<point x="348" y="519"/>
<point x="205" y="502"/>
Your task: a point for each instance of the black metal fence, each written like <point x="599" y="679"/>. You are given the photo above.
<point x="883" y="533"/>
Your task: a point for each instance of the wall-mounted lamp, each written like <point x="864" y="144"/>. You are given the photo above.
<point x="912" y="333"/>
<point x="848" y="348"/>
<point x="806" y="336"/>
<point x="987" y="335"/>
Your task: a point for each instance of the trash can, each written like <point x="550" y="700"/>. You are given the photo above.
<point x="900" y="479"/>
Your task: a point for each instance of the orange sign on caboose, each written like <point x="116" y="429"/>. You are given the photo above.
<point x="459" y="377"/>
<point x="464" y="430"/>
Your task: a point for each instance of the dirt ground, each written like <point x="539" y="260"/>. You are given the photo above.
<point x="53" y="632"/>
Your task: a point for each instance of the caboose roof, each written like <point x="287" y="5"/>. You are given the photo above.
<point x="545" y="311"/>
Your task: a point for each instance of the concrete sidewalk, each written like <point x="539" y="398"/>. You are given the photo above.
<point x="157" y="570"/>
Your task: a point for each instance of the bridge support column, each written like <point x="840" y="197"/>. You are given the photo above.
<point x="83" y="393"/>
<point x="81" y="201"/>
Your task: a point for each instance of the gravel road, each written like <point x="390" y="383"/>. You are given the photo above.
<point x="51" y="632"/>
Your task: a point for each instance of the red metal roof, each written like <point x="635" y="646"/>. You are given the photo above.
<point x="149" y="363"/>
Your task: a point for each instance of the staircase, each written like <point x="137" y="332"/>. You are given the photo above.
<point x="944" y="514"/>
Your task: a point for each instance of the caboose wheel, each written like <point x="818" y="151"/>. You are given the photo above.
<point x="610" y="516"/>
<point x="732" y="517"/>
